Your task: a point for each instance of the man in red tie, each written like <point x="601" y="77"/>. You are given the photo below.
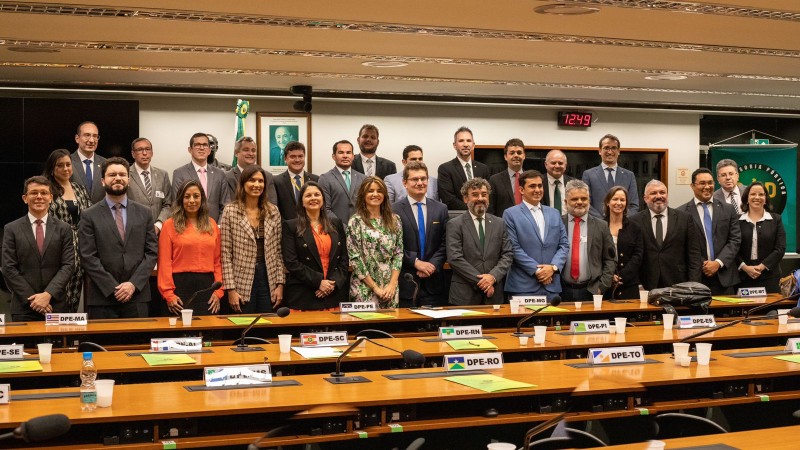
<point x="506" y="191"/>
<point x="591" y="256"/>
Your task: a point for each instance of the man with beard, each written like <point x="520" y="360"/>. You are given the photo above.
<point x="118" y="248"/>
<point x="506" y="191"/>
<point x="478" y="249"/>
<point x="591" y="257"/>
<point x="366" y="161"/>
<point x="671" y="243"/>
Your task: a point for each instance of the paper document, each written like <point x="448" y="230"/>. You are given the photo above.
<point x="489" y="383"/>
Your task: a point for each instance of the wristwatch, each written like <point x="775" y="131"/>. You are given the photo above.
<point x="555" y="268"/>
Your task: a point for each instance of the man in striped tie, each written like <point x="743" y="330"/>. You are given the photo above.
<point x="149" y="185"/>
<point x="730" y="190"/>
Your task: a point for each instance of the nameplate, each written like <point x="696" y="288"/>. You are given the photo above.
<point x="473" y="361"/>
<point x="616" y="355"/>
<point x="186" y="344"/>
<point x="13" y="351"/>
<point x="2" y="320"/>
<point x="347" y="307"/>
<point x="65" y="319"/>
<point x="793" y="345"/>
<point x="238" y="375"/>
<point x="589" y="326"/>
<point x="530" y="300"/>
<point x="5" y="393"/>
<point x="472" y="331"/>
<point x="699" y="321"/>
<point x="752" y="292"/>
<point x="323" y="339"/>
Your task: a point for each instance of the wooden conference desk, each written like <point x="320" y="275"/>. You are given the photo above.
<point x="780" y="438"/>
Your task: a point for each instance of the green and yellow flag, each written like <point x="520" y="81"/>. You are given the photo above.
<point x="242" y="108"/>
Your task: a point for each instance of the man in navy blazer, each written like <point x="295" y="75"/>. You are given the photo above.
<point x="289" y="183"/>
<point x="424" y="247"/>
<point x="454" y="173"/>
<point x="215" y="185"/>
<point x="86" y="159"/>
<point x="609" y="174"/>
<point x="506" y="191"/>
<point x="539" y="240"/>
<point x="366" y="161"/>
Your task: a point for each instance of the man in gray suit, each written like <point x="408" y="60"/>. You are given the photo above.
<point x="609" y="174"/>
<point x="340" y="184"/>
<point x="394" y="182"/>
<point x="148" y="184"/>
<point x="38" y="256"/>
<point x="478" y="249"/>
<point x="118" y="249"/>
<point x="730" y="190"/>
<point x="86" y="162"/>
<point x="211" y="178"/>
<point x="246" y="155"/>
<point x="591" y="256"/>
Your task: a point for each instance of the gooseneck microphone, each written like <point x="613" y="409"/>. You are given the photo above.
<point x="554" y="302"/>
<point x="794" y="312"/>
<point x="767" y="305"/>
<point x="411" y="358"/>
<point x="242" y="344"/>
<point x="213" y="287"/>
<point x="41" y="428"/>
<point x="410" y="278"/>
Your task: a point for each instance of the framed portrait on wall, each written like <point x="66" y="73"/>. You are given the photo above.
<point x="275" y="130"/>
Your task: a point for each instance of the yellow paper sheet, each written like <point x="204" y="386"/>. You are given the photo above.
<point x="548" y="309"/>
<point x="790" y="358"/>
<point x="20" y="366"/>
<point x="166" y="359"/>
<point x="371" y="315"/>
<point x="471" y="344"/>
<point x="474" y="313"/>
<point x="247" y="320"/>
<point x="489" y="383"/>
<point x="732" y="299"/>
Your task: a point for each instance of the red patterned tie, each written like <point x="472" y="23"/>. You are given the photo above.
<point x="575" y="263"/>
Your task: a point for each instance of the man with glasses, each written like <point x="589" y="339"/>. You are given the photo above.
<point x="609" y="174"/>
<point x="86" y="162"/>
<point x="730" y="190"/>
<point x="149" y="185"/>
<point x="245" y="151"/>
<point x="211" y="178"/>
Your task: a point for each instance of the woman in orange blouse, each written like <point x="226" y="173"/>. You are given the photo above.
<point x="315" y="255"/>
<point x="189" y="253"/>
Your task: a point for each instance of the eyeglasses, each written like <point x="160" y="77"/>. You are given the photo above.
<point x="418" y="180"/>
<point x="201" y="145"/>
<point x="142" y="150"/>
<point x="87" y="136"/>
<point x="613" y="147"/>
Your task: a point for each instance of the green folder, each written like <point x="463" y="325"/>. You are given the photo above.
<point x="489" y="383"/>
<point x="371" y="315"/>
<point x="20" y="366"/>
<point x="167" y="359"/>
<point x="471" y="344"/>
<point x="247" y="320"/>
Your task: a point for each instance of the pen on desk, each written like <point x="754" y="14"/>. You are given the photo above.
<point x="473" y="343"/>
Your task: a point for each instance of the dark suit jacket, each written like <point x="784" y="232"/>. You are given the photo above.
<point x="232" y="182"/>
<point x="546" y="198"/>
<point x="218" y="194"/>
<point x="726" y="238"/>
<point x="451" y="177"/>
<point x="435" y="250"/>
<point x="600" y="253"/>
<point x="630" y="248"/>
<point x="27" y="272"/>
<point x="502" y="196"/>
<point x="678" y="259"/>
<point x="302" y="260"/>
<point x="383" y="166"/>
<point x="79" y="175"/>
<point x="771" y="246"/>
<point x="108" y="260"/>
<point x="160" y="202"/>
<point x="287" y="202"/>
<point x="468" y="259"/>
<point x="597" y="179"/>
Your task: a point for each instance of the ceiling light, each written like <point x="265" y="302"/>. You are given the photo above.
<point x="566" y="10"/>
<point x="666" y="77"/>
<point x="384" y="64"/>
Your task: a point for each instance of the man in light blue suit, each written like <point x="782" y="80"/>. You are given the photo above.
<point x="539" y="240"/>
<point x="609" y="174"/>
<point x="394" y="182"/>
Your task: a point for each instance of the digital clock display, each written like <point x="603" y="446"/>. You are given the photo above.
<point x="574" y="119"/>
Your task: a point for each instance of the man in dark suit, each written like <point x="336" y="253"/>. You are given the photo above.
<point x="211" y="178"/>
<point x="506" y="191"/>
<point x="246" y="155"/>
<point x="591" y="262"/>
<point x="38" y="257"/>
<point x="609" y="174"/>
<point x="366" y="161"/>
<point x="539" y="241"/>
<point x="118" y="249"/>
<point x="478" y="249"/>
<point x="453" y="174"/>
<point x="149" y="185"/>
<point x="424" y="223"/>
<point x="289" y="183"/>
<point x="86" y="162"/>
<point x="730" y="190"/>
<point x="340" y="184"/>
<point x="555" y="163"/>
<point x="671" y="243"/>
<point x="718" y="226"/>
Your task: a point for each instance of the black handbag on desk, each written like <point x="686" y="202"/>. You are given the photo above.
<point x="690" y="294"/>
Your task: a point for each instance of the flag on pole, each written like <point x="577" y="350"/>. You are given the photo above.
<point x="242" y="108"/>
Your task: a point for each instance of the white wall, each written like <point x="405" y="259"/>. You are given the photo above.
<point x="170" y="121"/>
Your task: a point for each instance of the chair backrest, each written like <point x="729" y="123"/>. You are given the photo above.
<point x="373" y="333"/>
<point x="673" y="425"/>
<point x="90" y="347"/>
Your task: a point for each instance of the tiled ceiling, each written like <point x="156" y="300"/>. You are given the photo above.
<point x="734" y="55"/>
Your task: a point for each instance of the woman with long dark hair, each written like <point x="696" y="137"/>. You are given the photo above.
<point x="627" y="235"/>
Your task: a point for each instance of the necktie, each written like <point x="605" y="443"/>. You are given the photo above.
<point x="481" y="233"/>
<point x="734" y="204"/>
<point x="39" y="236"/>
<point x="610" y="177"/>
<point x="118" y="220"/>
<point x="468" y="168"/>
<point x="707" y="227"/>
<point x="517" y="193"/>
<point x="370" y="169"/>
<point x="421" y="227"/>
<point x="203" y="179"/>
<point x="297" y="186"/>
<point x="347" y="179"/>
<point x="147" y="185"/>
<point x="575" y="262"/>
<point x="89" y="177"/>
<point x="659" y="230"/>
<point x="557" y="196"/>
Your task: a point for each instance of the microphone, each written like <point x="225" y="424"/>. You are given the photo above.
<point x="411" y="358"/>
<point x="213" y="287"/>
<point x="767" y="305"/>
<point x="41" y="428"/>
<point x="554" y="302"/>
<point x="794" y="312"/>
<point x="242" y="346"/>
<point x="408" y="277"/>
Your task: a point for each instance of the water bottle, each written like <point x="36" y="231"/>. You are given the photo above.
<point x="88" y="389"/>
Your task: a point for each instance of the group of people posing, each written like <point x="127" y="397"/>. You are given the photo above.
<point x="363" y="232"/>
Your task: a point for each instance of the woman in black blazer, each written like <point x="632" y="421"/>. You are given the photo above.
<point x="627" y="235"/>
<point x="315" y="254"/>
<point x="759" y="264"/>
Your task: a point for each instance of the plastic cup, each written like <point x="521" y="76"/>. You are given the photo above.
<point x="285" y="342"/>
<point x="668" y="320"/>
<point x="783" y="317"/>
<point x="45" y="353"/>
<point x="186" y="317"/>
<point x="173" y="321"/>
<point x="514" y="306"/>
<point x="523" y="340"/>
<point x="656" y="445"/>
<point x="620" y="323"/>
<point x="578" y="306"/>
<point x="496" y="307"/>
<point x="105" y="392"/>
<point x="643" y="296"/>
<point x="539" y="333"/>
<point x="501" y="446"/>
<point x="598" y="301"/>
<point x="685" y="361"/>
<point x="703" y="353"/>
<point x="680" y="349"/>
